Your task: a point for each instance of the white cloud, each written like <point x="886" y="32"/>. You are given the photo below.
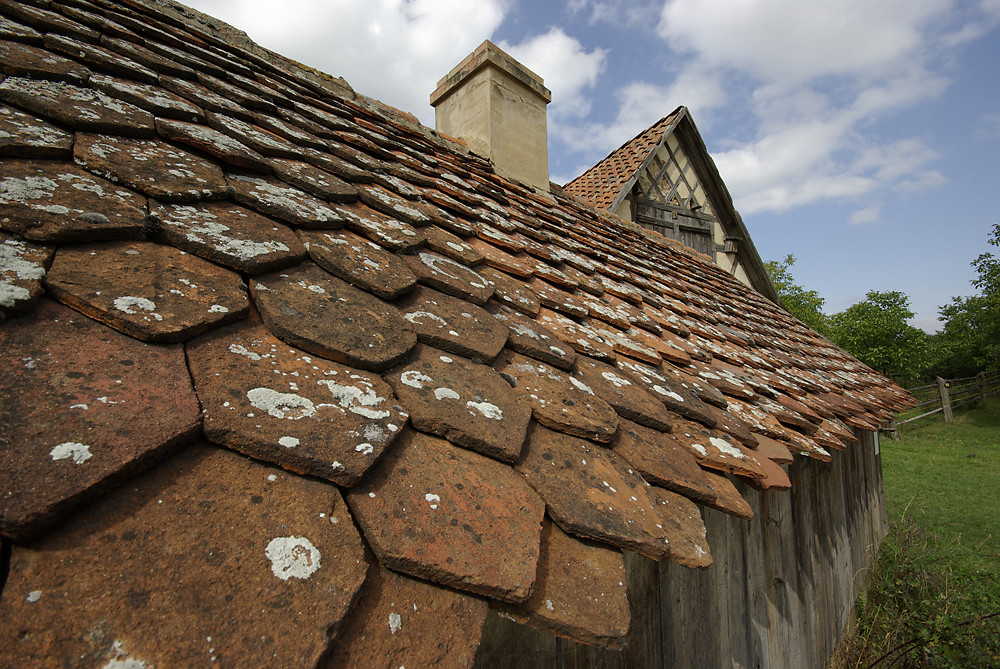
<point x="393" y="50"/>
<point x="792" y="41"/>
<point x="867" y="215"/>
<point x="620" y="13"/>
<point x="569" y="71"/>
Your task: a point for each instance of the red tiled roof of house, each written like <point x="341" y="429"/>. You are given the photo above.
<point x="285" y="381"/>
<point x="601" y="184"/>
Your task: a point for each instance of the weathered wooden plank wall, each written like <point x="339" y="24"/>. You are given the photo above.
<point x="779" y="594"/>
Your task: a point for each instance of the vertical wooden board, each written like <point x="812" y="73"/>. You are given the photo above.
<point x="644" y="645"/>
<point x="508" y="644"/>
<point x="693" y="632"/>
<point x="785" y="610"/>
<point x="755" y="582"/>
<point x="809" y="565"/>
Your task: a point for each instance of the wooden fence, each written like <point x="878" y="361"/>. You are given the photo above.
<point x="947" y="394"/>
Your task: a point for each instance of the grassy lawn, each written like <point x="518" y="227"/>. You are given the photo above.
<point x="934" y="599"/>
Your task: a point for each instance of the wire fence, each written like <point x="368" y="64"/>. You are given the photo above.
<point x="946" y="395"/>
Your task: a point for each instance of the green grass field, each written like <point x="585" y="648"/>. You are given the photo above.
<point x="934" y="598"/>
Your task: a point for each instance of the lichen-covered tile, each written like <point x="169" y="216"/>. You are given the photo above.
<point x="212" y="142"/>
<point x="714" y="449"/>
<point x="80" y="108"/>
<point x="22" y="60"/>
<point x="591" y="492"/>
<point x="511" y="292"/>
<point x="386" y="231"/>
<point x="450" y="277"/>
<point x="406" y="622"/>
<point x="382" y="200"/>
<point x="146" y="290"/>
<point x="304" y="413"/>
<point x="467" y="403"/>
<point x="452" y="324"/>
<point x="773" y="450"/>
<point x="27" y="136"/>
<point x="154" y="99"/>
<point x="12" y="30"/>
<point x="314" y="180"/>
<point x="600" y="310"/>
<point x="100" y="58"/>
<point x="22" y="270"/>
<point x="775" y="478"/>
<point x="313" y="310"/>
<point x="502" y="261"/>
<point x="627" y="346"/>
<point x="579" y="593"/>
<point x="260" y="140"/>
<point x="731" y="424"/>
<point x="581" y="337"/>
<point x="685" y="529"/>
<point x="164" y="65"/>
<point x="84" y="408"/>
<point x="630" y="399"/>
<point x="675" y="395"/>
<point x="447" y="244"/>
<point x="156" y="169"/>
<point x="360" y="262"/>
<point x="558" y="401"/>
<point x="59" y="202"/>
<point x="727" y="498"/>
<point x="229" y="235"/>
<point x="454" y="517"/>
<point x="47" y="21"/>
<point x="528" y="337"/>
<point x="279" y="200"/>
<point x="211" y="558"/>
<point x="203" y="97"/>
<point x="293" y="130"/>
<point x="556" y="299"/>
<point x="661" y="460"/>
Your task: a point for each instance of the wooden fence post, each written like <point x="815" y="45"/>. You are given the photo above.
<point x="982" y="387"/>
<point x="945" y="399"/>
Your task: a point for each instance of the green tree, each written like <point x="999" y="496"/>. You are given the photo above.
<point x="875" y="331"/>
<point x="970" y="340"/>
<point x="806" y="305"/>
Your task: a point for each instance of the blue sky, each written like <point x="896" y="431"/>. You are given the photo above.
<point x="862" y="136"/>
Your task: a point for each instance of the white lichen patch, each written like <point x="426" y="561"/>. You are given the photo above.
<point x="487" y="409"/>
<point x="432" y="500"/>
<point x="357" y="400"/>
<point x="239" y="349"/>
<point x="395" y="622"/>
<point x="666" y="392"/>
<point x="33" y="596"/>
<point x="288" y="442"/>
<point x="129" y="304"/>
<point x="700" y="449"/>
<point x="417" y="318"/>
<point x="365" y="449"/>
<point x="446" y="393"/>
<point x="292" y="557"/>
<point x="281" y="405"/>
<point x="618" y="381"/>
<point x="580" y="385"/>
<point x="726" y="448"/>
<point x="74" y="450"/>
<point x="414" y="379"/>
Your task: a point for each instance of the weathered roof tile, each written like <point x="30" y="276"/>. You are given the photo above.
<point x="149" y="291"/>
<point x="558" y="401"/>
<point x="625" y="395"/>
<point x="197" y="562"/>
<point x="452" y="324"/>
<point x="528" y="337"/>
<point x="685" y="529"/>
<point x="591" y="492"/>
<point x="467" y="403"/>
<point x="64" y="103"/>
<point x="84" y="409"/>
<point x="212" y="142"/>
<point x="361" y="263"/>
<point x="579" y="592"/>
<point x="454" y="517"/>
<point x="22" y="269"/>
<point x="319" y="313"/>
<point x="21" y="60"/>
<point x="26" y="136"/>
<point x="303" y="413"/>
<point x="661" y="460"/>
<point x="229" y="235"/>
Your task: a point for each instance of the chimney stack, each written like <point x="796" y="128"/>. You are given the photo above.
<point x="497" y="106"/>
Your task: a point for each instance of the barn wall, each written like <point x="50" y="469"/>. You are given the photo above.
<point x="779" y="594"/>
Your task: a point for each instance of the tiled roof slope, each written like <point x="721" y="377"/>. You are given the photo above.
<point x="285" y="382"/>
<point x="601" y="184"/>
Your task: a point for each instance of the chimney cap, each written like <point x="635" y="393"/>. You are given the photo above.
<point x="485" y="54"/>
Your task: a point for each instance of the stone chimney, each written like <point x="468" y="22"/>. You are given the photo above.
<point x="497" y="105"/>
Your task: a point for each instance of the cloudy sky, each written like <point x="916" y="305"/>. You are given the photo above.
<point x="862" y="136"/>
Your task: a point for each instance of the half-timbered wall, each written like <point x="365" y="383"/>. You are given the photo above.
<point x="779" y="594"/>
